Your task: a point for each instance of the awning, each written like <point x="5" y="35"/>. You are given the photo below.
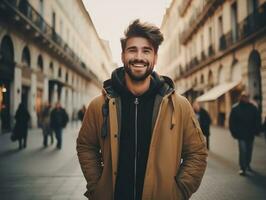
<point x="217" y="91"/>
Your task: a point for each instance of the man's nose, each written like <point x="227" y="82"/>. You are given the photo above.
<point x="139" y="55"/>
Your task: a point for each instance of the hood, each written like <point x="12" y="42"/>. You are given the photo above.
<point x="116" y="85"/>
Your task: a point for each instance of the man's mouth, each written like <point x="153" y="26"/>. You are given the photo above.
<point x="140" y="65"/>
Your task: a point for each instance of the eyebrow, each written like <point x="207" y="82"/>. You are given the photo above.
<point x="134" y="47"/>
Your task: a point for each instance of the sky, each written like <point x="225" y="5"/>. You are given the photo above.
<point x="111" y="18"/>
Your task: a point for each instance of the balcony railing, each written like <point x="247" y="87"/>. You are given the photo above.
<point x="198" y="18"/>
<point x="33" y="18"/>
<point x="246" y="30"/>
<point x="249" y="26"/>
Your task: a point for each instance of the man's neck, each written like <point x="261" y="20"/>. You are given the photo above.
<point x="137" y="87"/>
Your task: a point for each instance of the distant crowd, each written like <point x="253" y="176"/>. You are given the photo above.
<point x="52" y="121"/>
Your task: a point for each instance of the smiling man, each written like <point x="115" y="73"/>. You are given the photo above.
<point x="139" y="139"/>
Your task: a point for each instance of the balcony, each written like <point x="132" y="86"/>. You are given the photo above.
<point x="25" y="19"/>
<point x="247" y="30"/>
<point x="200" y="15"/>
<point x="249" y="27"/>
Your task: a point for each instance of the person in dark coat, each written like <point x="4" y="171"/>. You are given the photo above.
<point x="22" y="117"/>
<point x="264" y="128"/>
<point x="244" y="124"/>
<point x="204" y="121"/>
<point x="81" y="113"/>
<point x="59" y="119"/>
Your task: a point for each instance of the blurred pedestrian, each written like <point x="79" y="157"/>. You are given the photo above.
<point x="244" y="124"/>
<point x="264" y="127"/>
<point x="204" y="120"/>
<point x="59" y="119"/>
<point x="140" y="139"/>
<point x="45" y="123"/>
<point x="22" y="117"/>
<point x="81" y="113"/>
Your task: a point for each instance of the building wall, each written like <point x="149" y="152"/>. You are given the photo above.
<point x="227" y="65"/>
<point x="78" y="32"/>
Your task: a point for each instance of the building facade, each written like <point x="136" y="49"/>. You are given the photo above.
<point x="49" y="51"/>
<point x="221" y="51"/>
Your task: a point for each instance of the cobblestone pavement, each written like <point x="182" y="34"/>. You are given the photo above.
<point x="38" y="173"/>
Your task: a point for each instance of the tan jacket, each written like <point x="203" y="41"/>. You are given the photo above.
<point x="177" y="155"/>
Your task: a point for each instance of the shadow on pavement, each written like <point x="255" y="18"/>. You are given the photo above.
<point x="258" y="179"/>
<point x="9" y="152"/>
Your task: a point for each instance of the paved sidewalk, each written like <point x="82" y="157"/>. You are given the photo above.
<point x="221" y="180"/>
<point x="38" y="173"/>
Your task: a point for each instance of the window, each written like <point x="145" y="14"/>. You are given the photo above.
<point x="51" y="68"/>
<point x="234" y="21"/>
<point x="41" y="8"/>
<point x="66" y="77"/>
<point x="26" y="56"/>
<point x="40" y="63"/>
<point x="59" y="72"/>
<point x="54" y="21"/>
<point x="210" y="36"/>
<point x="220" y="26"/>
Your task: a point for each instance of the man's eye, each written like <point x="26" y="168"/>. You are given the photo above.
<point x="131" y="50"/>
<point x="147" y="51"/>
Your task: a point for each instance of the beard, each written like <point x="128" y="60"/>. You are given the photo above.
<point x="138" y="77"/>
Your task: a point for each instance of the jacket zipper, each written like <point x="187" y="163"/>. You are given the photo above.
<point x="136" y="102"/>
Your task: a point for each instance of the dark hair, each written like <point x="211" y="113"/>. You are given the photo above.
<point x="145" y="30"/>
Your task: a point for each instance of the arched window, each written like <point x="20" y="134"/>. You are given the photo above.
<point x="7" y="49"/>
<point x="40" y="63"/>
<point x="26" y="56"/>
<point x="66" y="77"/>
<point x="59" y="72"/>
<point x="51" y="68"/>
<point x="201" y="79"/>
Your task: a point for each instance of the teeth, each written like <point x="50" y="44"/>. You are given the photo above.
<point x="139" y="65"/>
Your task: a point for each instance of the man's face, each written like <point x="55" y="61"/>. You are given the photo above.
<point x="139" y="58"/>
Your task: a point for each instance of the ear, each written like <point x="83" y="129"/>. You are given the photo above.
<point x="155" y="58"/>
<point x="123" y="57"/>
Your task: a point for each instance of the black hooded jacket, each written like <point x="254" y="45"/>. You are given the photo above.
<point x="136" y="122"/>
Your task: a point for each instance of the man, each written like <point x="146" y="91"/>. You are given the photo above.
<point x="139" y="139"/>
<point x="244" y="124"/>
<point x="204" y="120"/>
<point x="46" y="127"/>
<point x="59" y="119"/>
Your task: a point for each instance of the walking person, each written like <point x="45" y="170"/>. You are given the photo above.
<point x="59" y="119"/>
<point x="264" y="128"/>
<point x="140" y="139"/>
<point x="22" y="117"/>
<point x="81" y="113"/>
<point x="204" y="120"/>
<point x="46" y="127"/>
<point x="244" y="124"/>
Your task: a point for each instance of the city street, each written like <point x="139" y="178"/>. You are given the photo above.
<point x="38" y="173"/>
